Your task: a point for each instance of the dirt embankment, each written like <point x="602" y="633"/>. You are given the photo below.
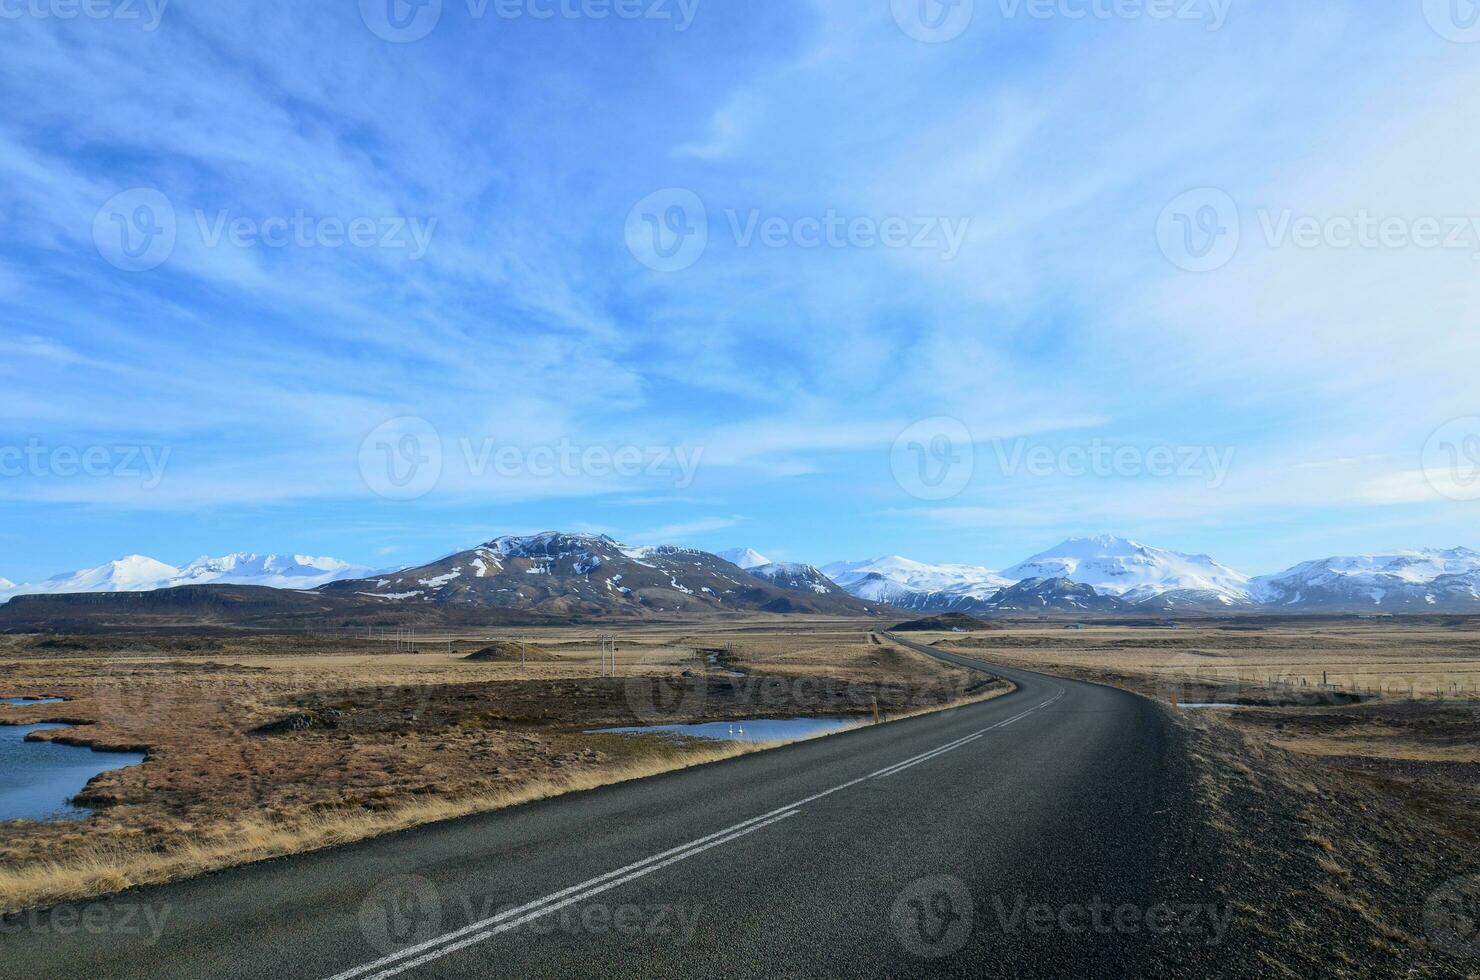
<point x="1338" y="872"/>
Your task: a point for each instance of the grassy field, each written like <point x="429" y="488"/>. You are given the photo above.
<point x="270" y="744"/>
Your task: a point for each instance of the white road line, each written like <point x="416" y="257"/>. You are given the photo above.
<point x="546" y="910"/>
<point x="886" y="773"/>
<point x="503" y="921"/>
<point x="528" y="906"/>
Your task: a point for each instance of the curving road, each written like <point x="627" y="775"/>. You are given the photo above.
<point x="1046" y="833"/>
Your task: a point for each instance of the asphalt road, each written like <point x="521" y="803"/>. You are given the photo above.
<point x="1042" y="834"/>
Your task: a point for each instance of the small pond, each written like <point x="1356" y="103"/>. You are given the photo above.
<point x="39" y="779"/>
<point x="22" y="701"/>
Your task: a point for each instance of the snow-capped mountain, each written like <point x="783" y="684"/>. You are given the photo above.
<point x="911" y="584"/>
<point x="746" y="558"/>
<point x="134" y="573"/>
<point x="794" y="576"/>
<point x="1053" y="595"/>
<point x="577" y="574"/>
<point x="572" y="575"/>
<point x="1110" y="566"/>
<point x="277" y="571"/>
<point x="1402" y="581"/>
<point x="1134" y="572"/>
<point x="138" y="573"/>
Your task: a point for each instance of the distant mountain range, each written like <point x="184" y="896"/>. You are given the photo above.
<point x="1130" y="571"/>
<point x="1140" y="578"/>
<point x="136" y="573"/>
<point x="911" y="584"/>
<point x="1403" y="581"/>
<point x="569" y="577"/>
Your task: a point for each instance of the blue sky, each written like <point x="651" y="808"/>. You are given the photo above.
<point x="278" y="277"/>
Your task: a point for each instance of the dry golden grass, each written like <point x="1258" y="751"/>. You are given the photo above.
<point x="1420" y="684"/>
<point x="422" y="737"/>
<point x="1376" y="657"/>
<point x="93" y="871"/>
